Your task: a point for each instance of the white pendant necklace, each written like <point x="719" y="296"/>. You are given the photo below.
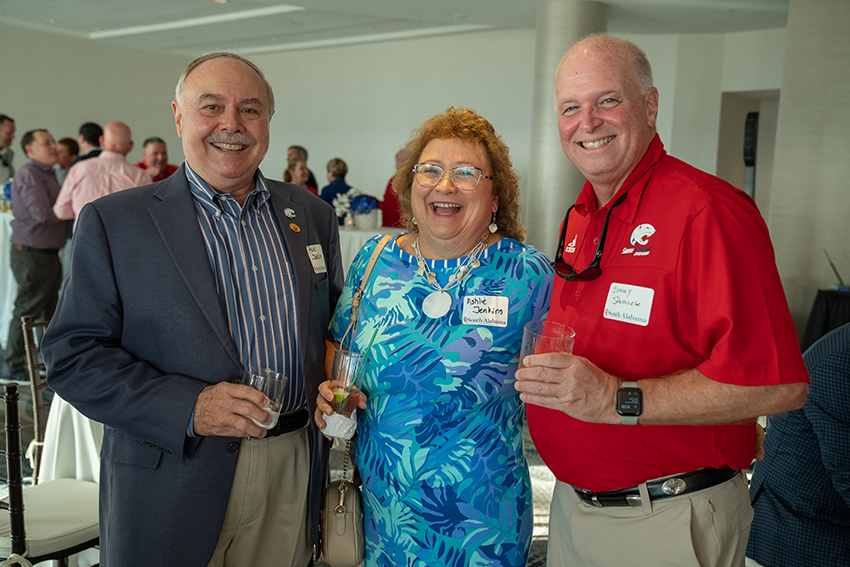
<point x="439" y="302"/>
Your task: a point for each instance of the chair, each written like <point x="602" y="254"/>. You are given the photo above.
<point x="61" y="515"/>
<point x="38" y="382"/>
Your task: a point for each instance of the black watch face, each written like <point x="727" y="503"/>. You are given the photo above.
<point x="629" y="401"/>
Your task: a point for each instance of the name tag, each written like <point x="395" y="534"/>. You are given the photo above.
<point x="629" y="304"/>
<point x="485" y="310"/>
<point x="314" y="251"/>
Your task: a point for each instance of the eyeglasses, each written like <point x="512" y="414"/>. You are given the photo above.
<point x="592" y="271"/>
<point x="465" y="177"/>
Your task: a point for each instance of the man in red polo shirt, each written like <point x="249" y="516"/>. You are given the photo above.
<point x="155" y="160"/>
<point x="683" y="337"/>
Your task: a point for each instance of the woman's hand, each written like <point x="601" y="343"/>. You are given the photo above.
<point x="323" y="403"/>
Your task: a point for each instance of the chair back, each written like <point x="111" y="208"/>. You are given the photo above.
<point x="14" y="475"/>
<point x="61" y="515"/>
<point x="38" y="382"/>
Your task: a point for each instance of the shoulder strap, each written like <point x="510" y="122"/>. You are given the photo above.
<point x="358" y="293"/>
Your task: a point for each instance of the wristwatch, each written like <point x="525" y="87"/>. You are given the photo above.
<point x="629" y="403"/>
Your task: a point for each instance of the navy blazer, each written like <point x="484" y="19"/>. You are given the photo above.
<point x="139" y="332"/>
<point x="801" y="491"/>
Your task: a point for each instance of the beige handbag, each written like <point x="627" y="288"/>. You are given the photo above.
<point x="343" y="542"/>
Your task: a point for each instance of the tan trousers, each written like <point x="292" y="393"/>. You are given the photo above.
<point x="266" y="524"/>
<point x="707" y="528"/>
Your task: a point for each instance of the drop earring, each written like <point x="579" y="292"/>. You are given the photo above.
<point x="414" y="220"/>
<point x="493" y="226"/>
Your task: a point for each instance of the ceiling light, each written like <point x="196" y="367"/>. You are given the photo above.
<point x="193" y="22"/>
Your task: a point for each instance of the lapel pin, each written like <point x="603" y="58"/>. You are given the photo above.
<point x="294" y="227"/>
<point x="290" y="214"/>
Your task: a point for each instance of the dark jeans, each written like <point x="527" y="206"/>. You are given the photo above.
<point x="39" y="275"/>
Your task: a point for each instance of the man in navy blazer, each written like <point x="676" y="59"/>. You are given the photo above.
<point x="173" y="289"/>
<point x="801" y="490"/>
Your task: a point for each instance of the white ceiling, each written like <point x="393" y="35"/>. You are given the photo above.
<point x="193" y="27"/>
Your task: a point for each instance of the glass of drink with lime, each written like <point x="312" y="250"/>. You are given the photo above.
<point x="347" y="368"/>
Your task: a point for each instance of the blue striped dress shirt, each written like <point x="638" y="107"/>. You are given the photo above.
<point x="254" y="279"/>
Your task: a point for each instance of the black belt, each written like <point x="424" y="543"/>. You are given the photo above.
<point x="660" y="489"/>
<point x="289" y="422"/>
<point x="25" y="248"/>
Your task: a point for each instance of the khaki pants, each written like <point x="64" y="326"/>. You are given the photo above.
<point x="267" y="523"/>
<point x="707" y="528"/>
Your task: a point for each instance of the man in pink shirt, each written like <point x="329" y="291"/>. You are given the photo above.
<point x="107" y="173"/>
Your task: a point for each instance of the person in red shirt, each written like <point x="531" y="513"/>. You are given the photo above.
<point x="683" y="337"/>
<point x="390" y="209"/>
<point x="155" y="160"/>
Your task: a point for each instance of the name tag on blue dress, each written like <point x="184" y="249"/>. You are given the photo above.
<point x="489" y="311"/>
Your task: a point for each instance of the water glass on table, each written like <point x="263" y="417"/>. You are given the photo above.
<point x="271" y="383"/>
<point x="540" y="337"/>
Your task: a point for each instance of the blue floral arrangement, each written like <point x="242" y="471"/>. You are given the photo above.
<point x="363" y="204"/>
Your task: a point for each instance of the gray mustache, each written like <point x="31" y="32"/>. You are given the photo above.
<point x="235" y="138"/>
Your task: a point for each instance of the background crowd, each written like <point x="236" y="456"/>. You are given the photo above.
<point x="650" y="420"/>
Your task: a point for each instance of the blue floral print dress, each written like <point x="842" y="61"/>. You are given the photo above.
<point x="440" y="452"/>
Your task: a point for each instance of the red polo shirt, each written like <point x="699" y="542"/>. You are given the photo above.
<point x="688" y="280"/>
<point x="169" y="169"/>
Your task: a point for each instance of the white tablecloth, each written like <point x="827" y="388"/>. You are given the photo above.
<point x="352" y="240"/>
<point x="8" y="285"/>
<point x="71" y="450"/>
<point x="71" y="444"/>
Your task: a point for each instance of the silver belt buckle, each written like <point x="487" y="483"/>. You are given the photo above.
<point x="674" y="486"/>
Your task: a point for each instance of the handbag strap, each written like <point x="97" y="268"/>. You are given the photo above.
<point x="358" y="293"/>
<point x="343" y="486"/>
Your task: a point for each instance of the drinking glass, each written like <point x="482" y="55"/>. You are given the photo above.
<point x="540" y="337"/>
<point x="271" y="383"/>
<point x="347" y="368"/>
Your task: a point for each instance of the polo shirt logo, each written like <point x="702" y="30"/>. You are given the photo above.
<point x="639" y="240"/>
<point x="640" y="235"/>
<point x="571" y="247"/>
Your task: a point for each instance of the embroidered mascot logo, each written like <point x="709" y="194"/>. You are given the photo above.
<point x="639" y="240"/>
<point x="640" y="235"/>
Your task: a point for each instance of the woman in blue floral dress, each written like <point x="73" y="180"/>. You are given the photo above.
<point x="440" y="452"/>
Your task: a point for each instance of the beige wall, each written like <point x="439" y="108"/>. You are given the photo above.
<point x="765" y="155"/>
<point x="810" y="197"/>
<point x="361" y="102"/>
<point x="58" y="83"/>
<point x="730" y="147"/>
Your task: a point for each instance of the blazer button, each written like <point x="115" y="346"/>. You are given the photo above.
<point x="237" y="380"/>
<point x="233" y="447"/>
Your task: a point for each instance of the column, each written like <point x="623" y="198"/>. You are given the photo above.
<point x="553" y="183"/>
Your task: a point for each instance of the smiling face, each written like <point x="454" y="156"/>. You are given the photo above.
<point x="224" y="124"/>
<point x="155" y="155"/>
<point x="605" y="123"/>
<point x="452" y="221"/>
